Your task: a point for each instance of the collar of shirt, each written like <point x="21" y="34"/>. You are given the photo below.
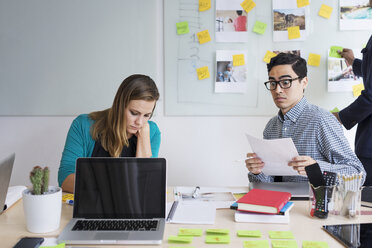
<point x="294" y="113"/>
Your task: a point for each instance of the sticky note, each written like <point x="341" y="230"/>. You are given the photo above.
<point x="357" y="89"/>
<point x="256" y="244"/>
<point x="204" y="5"/>
<point x="335" y="110"/>
<point x="302" y="3"/>
<point x="259" y="27"/>
<point x="248" y="5"/>
<point x="333" y="51"/>
<point x="203" y="72"/>
<point x="67" y="197"/>
<point x="281" y="235"/>
<point x="190" y="232"/>
<point x="204" y="37"/>
<point x="325" y="11"/>
<point x="61" y="245"/>
<point x="180" y="239"/>
<point x="238" y="60"/>
<point x="249" y="233"/>
<point x="294" y="32"/>
<point x="221" y="239"/>
<point x="284" y="244"/>
<point x="314" y="59"/>
<point x="218" y="231"/>
<point x="182" y="27"/>
<point x="268" y="56"/>
<point x="314" y="244"/>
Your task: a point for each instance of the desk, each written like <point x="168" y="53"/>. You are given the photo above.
<point x="304" y="227"/>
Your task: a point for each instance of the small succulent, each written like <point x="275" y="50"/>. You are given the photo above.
<point x="40" y="180"/>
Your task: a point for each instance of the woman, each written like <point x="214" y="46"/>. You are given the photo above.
<point x="124" y="130"/>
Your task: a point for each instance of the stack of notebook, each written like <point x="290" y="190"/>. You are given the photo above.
<point x="263" y="206"/>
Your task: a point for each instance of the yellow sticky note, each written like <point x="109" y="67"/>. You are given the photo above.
<point x="281" y="235"/>
<point x="222" y="239"/>
<point x="259" y="27"/>
<point x="203" y="36"/>
<point x="314" y="244"/>
<point x="61" y="245"/>
<point x="294" y="32"/>
<point x="190" y="232"/>
<point x="335" y="110"/>
<point x="218" y="231"/>
<point x="67" y="197"/>
<point x="325" y="11"/>
<point x="302" y="3"/>
<point x="314" y="59"/>
<point x="256" y="244"/>
<point x="268" y="56"/>
<point x="203" y="72"/>
<point x="180" y="239"/>
<point x="248" y="5"/>
<point x="284" y="244"/>
<point x="238" y="60"/>
<point x="204" y="5"/>
<point x="249" y="233"/>
<point x="357" y="89"/>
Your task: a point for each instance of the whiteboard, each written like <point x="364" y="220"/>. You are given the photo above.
<point x="186" y="95"/>
<point x="69" y="57"/>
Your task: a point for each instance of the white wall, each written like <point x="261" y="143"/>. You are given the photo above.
<point x="199" y="150"/>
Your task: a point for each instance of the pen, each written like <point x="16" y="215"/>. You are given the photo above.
<point x="70" y="202"/>
<point x="196" y="192"/>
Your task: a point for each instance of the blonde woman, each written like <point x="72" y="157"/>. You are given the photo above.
<point x="124" y="130"/>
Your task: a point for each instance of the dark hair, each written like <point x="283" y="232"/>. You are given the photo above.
<point x="239" y="12"/>
<point x="298" y="63"/>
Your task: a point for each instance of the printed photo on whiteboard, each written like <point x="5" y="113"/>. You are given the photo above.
<point x="295" y="52"/>
<point x="230" y="78"/>
<point x="285" y="15"/>
<point x="340" y="75"/>
<point x="231" y="21"/>
<point x="355" y="15"/>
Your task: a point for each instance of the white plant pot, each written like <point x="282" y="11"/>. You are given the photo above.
<point x="42" y="212"/>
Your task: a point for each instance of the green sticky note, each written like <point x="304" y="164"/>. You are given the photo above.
<point x="284" y="244"/>
<point x="259" y="27"/>
<point x="333" y="51"/>
<point x="281" y="235"/>
<point x="249" y="233"/>
<point x="335" y="110"/>
<point x="61" y="245"/>
<point x="221" y="239"/>
<point x="182" y="27"/>
<point x="180" y="239"/>
<point x="314" y="244"/>
<point x="190" y="232"/>
<point x="256" y="244"/>
<point x="218" y="231"/>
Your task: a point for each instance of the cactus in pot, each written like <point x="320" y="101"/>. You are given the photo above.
<point x="40" y="180"/>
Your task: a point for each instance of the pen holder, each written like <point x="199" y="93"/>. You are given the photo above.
<point x="347" y="202"/>
<point x="321" y="200"/>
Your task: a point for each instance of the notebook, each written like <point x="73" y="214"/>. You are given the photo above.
<point x="6" y="167"/>
<point x="298" y="190"/>
<point x="112" y="194"/>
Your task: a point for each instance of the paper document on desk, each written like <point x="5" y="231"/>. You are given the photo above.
<point x="276" y="154"/>
<point x="198" y="213"/>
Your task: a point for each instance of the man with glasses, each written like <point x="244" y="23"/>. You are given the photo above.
<point x="315" y="132"/>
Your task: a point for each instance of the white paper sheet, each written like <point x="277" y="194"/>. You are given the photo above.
<point x="197" y="213"/>
<point x="275" y="154"/>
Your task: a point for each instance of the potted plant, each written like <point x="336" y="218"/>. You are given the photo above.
<point x="42" y="204"/>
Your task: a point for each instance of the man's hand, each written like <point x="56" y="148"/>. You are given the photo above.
<point x="348" y="55"/>
<point x="300" y="162"/>
<point x="254" y="164"/>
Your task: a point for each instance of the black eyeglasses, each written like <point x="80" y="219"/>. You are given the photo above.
<point x="284" y="83"/>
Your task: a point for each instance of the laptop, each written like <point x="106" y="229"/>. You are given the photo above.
<point x="118" y="201"/>
<point x="298" y="190"/>
<point x="6" y="167"/>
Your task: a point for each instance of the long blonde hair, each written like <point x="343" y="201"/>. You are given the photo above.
<point x="110" y="126"/>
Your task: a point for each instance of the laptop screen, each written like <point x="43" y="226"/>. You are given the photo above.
<point x="125" y="188"/>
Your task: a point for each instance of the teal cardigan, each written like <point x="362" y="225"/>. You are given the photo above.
<point x="79" y="143"/>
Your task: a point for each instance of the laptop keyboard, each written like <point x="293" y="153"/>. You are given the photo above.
<point x="115" y="225"/>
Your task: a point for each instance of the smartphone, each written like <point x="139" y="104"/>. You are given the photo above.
<point x="29" y="242"/>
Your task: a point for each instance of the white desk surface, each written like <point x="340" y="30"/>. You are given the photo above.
<point x="303" y="227"/>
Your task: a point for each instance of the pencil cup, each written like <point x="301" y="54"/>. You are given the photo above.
<point x="347" y="202"/>
<point x="321" y="200"/>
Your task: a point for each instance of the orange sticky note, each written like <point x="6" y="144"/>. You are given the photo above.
<point x="248" y="5"/>
<point x="268" y="56"/>
<point x="204" y="37"/>
<point x="204" y="5"/>
<point x="314" y="59"/>
<point x="203" y="72"/>
<point x="325" y="11"/>
<point x="302" y="3"/>
<point x="238" y="60"/>
<point x="294" y="32"/>
<point x="357" y="89"/>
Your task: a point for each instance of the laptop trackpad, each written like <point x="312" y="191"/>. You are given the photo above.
<point x="111" y="236"/>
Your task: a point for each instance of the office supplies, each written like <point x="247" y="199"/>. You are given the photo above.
<point x="214" y="231"/>
<point x="29" y="242"/>
<point x="221" y="239"/>
<point x="195" y="194"/>
<point x="298" y="190"/>
<point x="14" y="194"/>
<point x="180" y="239"/>
<point x="123" y="197"/>
<point x="249" y="233"/>
<point x="281" y="235"/>
<point x="68" y="198"/>
<point x="351" y="235"/>
<point x="257" y="243"/>
<point x="284" y="243"/>
<point x="190" y="232"/>
<point x="6" y="167"/>
<point x="196" y="213"/>
<point x="263" y="201"/>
